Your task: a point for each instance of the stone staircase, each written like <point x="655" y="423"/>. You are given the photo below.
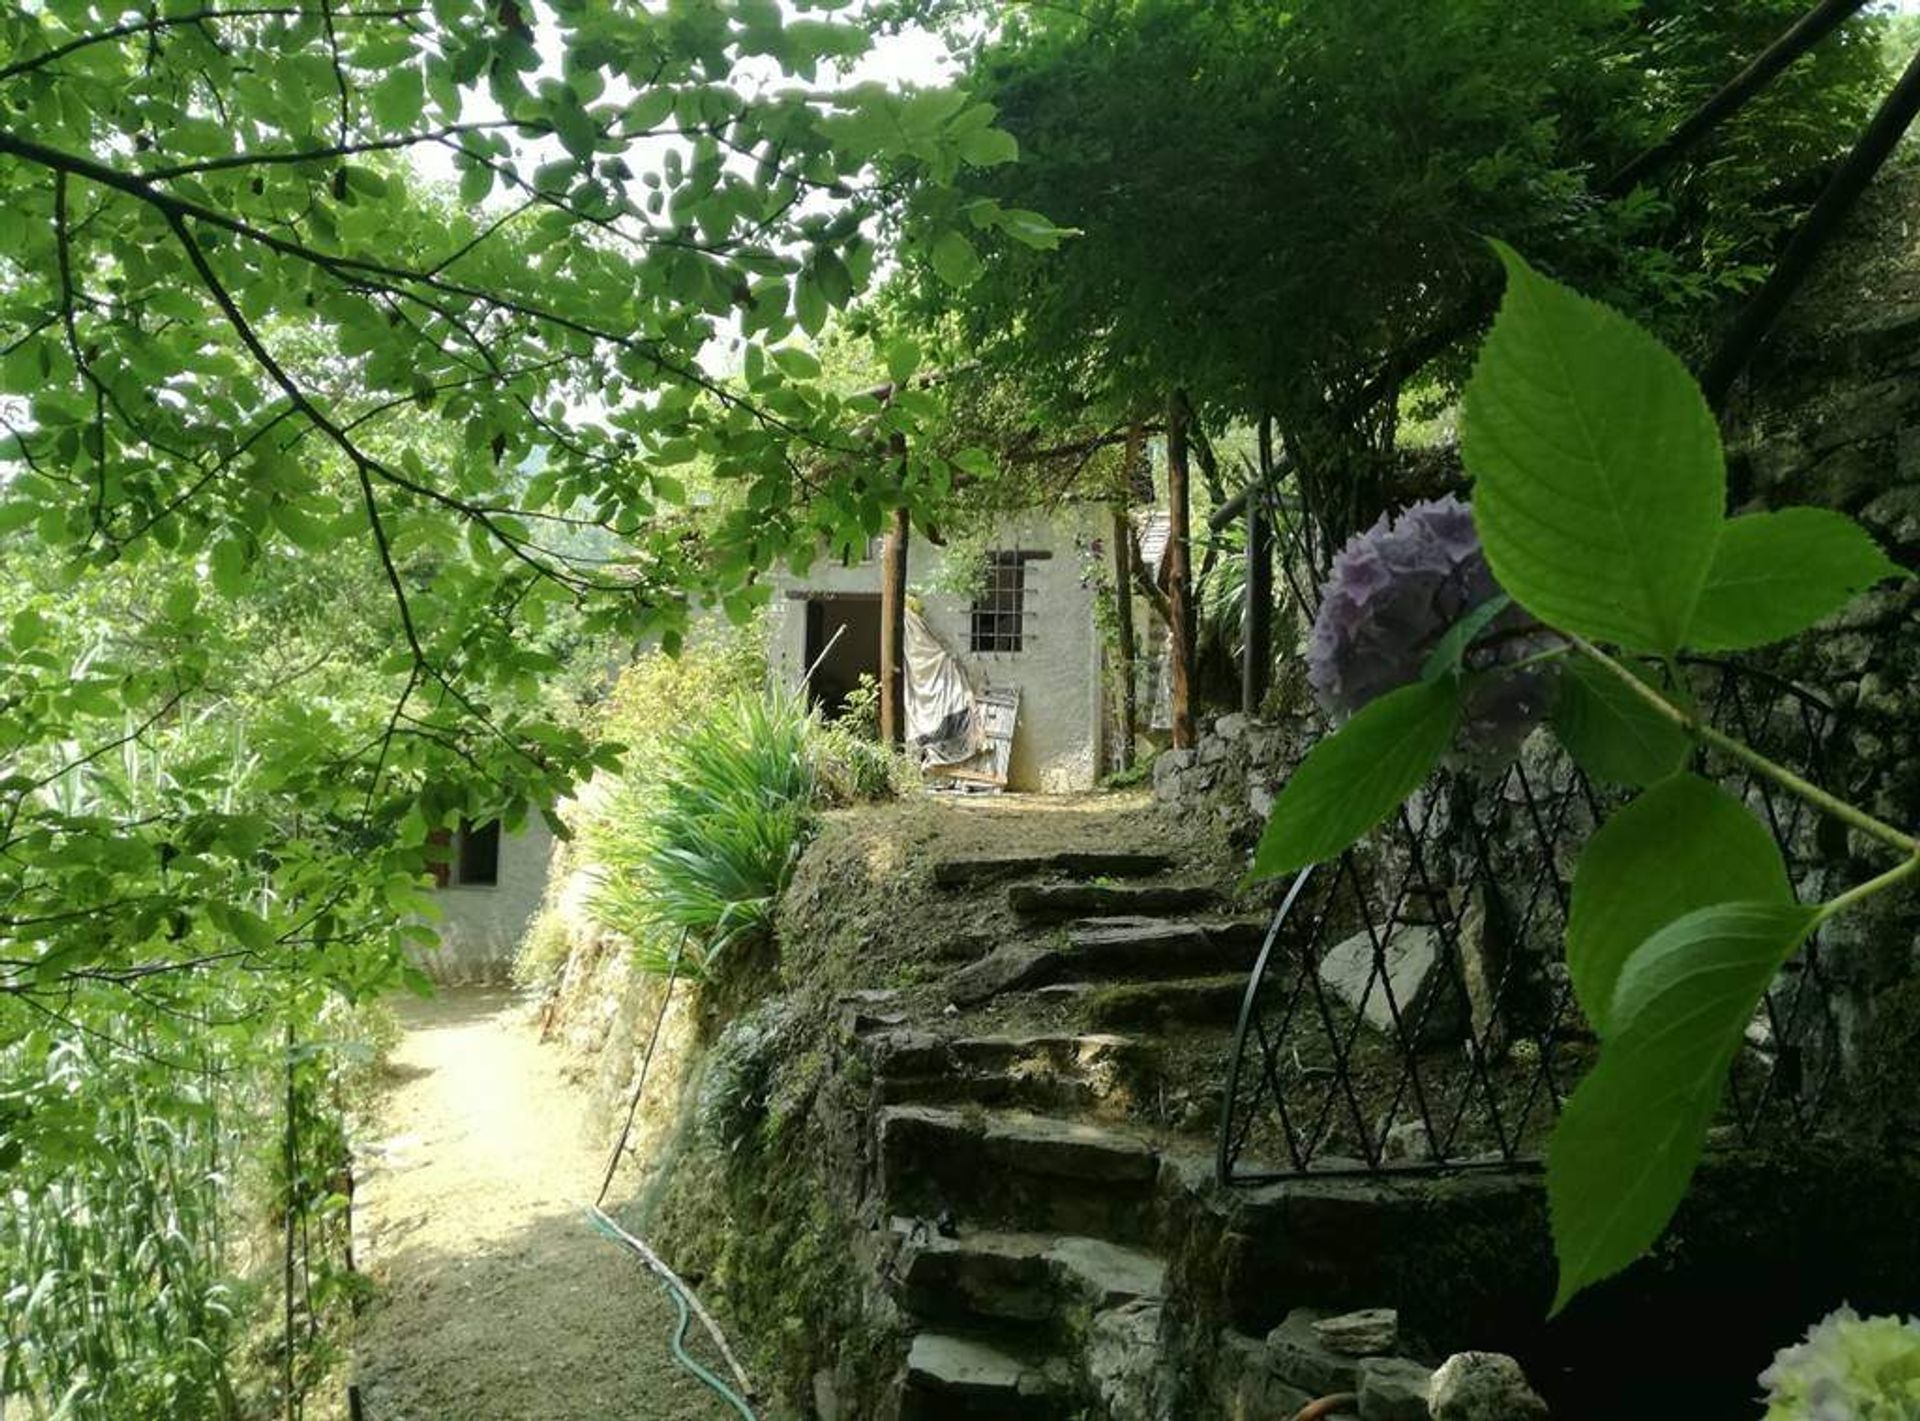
<point x="1019" y="1158"/>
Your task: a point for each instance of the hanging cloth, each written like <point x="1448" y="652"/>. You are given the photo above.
<point x="943" y="723"/>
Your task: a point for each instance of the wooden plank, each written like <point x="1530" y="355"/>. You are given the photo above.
<point x="893" y="631"/>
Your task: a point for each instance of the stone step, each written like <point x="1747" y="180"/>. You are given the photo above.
<point x="1082" y="864"/>
<point x="1043" y="1070"/>
<point x="1016" y="1170"/>
<point x="951" y="1377"/>
<point x="1134" y="946"/>
<point x="1032" y="1279"/>
<point x="1053" y="902"/>
<point x="1156" y="1006"/>
<point x="1112" y="949"/>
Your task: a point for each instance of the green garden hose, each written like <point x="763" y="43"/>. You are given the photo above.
<point x="608" y="1229"/>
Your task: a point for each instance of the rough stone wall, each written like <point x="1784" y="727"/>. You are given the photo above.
<point x="1232" y="773"/>
<point x="1056" y="745"/>
<point x="481" y="925"/>
<point x="1830" y="415"/>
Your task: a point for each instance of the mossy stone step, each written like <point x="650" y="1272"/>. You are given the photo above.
<point x="1054" y="902"/>
<point x="1156" y="1006"/>
<point x="950" y="1377"/>
<point x="989" y="868"/>
<point x="1030" y="1278"/>
<point x="1014" y="1170"/>
<point x="1137" y="946"/>
<point x="1040" y="1070"/>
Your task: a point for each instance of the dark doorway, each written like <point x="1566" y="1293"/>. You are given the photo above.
<point x="855" y="654"/>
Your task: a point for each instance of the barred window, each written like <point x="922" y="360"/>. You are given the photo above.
<point x="998" y="623"/>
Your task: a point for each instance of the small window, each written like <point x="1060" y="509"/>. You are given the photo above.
<point x="476" y="859"/>
<point x="998" y="623"/>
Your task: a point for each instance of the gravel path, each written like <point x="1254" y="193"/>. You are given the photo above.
<point x="496" y="1301"/>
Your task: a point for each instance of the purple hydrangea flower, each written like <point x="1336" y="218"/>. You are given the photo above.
<point x="1393" y="593"/>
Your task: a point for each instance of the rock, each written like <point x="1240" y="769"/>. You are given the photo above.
<point x="1301" y="1359"/>
<point x="1371" y="1332"/>
<point x="1409" y="959"/>
<point x="1406" y="1143"/>
<point x="1248" y="1389"/>
<point x="1124" y="1363"/>
<point x="1231" y="727"/>
<point x="1483" y="1386"/>
<point x="1393" y="1389"/>
<point x="1005" y="969"/>
<point x="944" y="1371"/>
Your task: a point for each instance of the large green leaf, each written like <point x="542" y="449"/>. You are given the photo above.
<point x="1684" y="844"/>
<point x="1613" y="734"/>
<point x="1623" y="1151"/>
<point x="1357" y="776"/>
<point x="1775" y="574"/>
<point x="1599" y="481"/>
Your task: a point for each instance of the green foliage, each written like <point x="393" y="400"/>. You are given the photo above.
<point x="736" y="800"/>
<point x="1612" y="535"/>
<point x="1358" y="775"/>
<point x="1599" y="482"/>
<point x="1319" y="169"/>
<point x="1612" y="733"/>
<point x="1627" y="1145"/>
<point x="1684" y="844"/>
<point x="1775" y="574"/>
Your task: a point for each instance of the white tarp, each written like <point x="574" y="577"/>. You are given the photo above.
<point x="943" y="723"/>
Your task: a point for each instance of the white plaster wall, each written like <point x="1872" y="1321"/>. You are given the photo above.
<point x="1056" y="745"/>
<point x="481" y="925"/>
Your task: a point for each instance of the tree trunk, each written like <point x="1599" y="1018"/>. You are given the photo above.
<point x="1256" y="655"/>
<point x="1179" y="574"/>
<point x="1123" y="614"/>
<point x="893" y="630"/>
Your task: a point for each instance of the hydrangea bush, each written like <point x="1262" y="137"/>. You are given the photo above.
<point x="1849" y="1368"/>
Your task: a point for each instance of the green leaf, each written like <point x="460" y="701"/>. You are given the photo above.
<point x="1775" y="574"/>
<point x="954" y="259"/>
<point x="399" y="99"/>
<point x="1612" y="734"/>
<point x="989" y="147"/>
<point x="1684" y="844"/>
<point x="1451" y="649"/>
<point x="1623" y="1151"/>
<point x="229" y="565"/>
<point x="796" y="363"/>
<point x="1598" y="477"/>
<point x="903" y="358"/>
<point x="1358" y="775"/>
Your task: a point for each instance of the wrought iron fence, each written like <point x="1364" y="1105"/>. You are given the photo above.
<point x="1411" y="1011"/>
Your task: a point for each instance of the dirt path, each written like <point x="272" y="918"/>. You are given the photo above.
<point x="497" y="1302"/>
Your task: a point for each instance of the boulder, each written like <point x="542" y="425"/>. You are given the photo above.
<point x="1411" y="960"/>
<point x="1393" y="1389"/>
<point x="1483" y="1386"/>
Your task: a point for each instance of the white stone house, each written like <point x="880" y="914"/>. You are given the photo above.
<point x="488" y="891"/>
<point x="1031" y="625"/>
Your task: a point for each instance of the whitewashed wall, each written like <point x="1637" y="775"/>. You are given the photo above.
<point x="482" y="924"/>
<point x="1056" y="746"/>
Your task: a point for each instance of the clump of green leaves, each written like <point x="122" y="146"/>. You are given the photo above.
<point x="1599" y="496"/>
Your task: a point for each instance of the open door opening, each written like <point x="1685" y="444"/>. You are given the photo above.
<point x="855" y="654"/>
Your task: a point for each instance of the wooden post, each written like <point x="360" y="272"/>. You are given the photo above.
<point x="1123" y="608"/>
<point x="893" y="630"/>
<point x="1179" y="574"/>
<point x="1256" y="658"/>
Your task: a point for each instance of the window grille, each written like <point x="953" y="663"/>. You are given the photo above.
<point x="998" y="621"/>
